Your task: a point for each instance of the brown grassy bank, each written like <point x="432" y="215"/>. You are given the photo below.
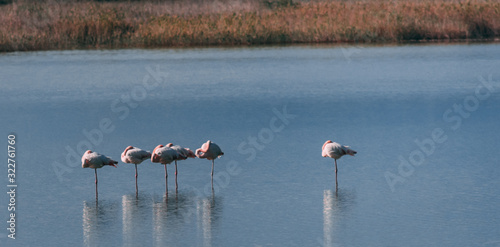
<point x="32" y="25"/>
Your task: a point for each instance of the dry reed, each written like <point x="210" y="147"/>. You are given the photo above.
<point x="51" y="24"/>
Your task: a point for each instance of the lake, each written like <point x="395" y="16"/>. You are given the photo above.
<point x="424" y="120"/>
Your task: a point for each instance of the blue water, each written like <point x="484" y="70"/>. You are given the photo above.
<point x="424" y="120"/>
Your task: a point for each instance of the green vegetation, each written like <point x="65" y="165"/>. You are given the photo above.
<point x="46" y="25"/>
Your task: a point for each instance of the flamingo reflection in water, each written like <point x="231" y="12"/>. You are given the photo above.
<point x="209" y="211"/>
<point x="135" y="217"/>
<point x="170" y="215"/>
<point x="97" y="216"/>
<point x="335" y="206"/>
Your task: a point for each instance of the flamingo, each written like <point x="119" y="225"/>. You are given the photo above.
<point x="209" y="151"/>
<point x="184" y="154"/>
<point x="95" y="160"/>
<point x="133" y="155"/>
<point x="336" y="151"/>
<point x="164" y="155"/>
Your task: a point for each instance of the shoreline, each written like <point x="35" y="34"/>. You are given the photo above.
<point x="313" y="45"/>
<point x="59" y="25"/>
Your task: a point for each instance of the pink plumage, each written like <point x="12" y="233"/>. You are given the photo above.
<point x="133" y="155"/>
<point x="209" y="151"/>
<point x="182" y="154"/>
<point x="164" y="155"/>
<point x="336" y="151"/>
<point x="95" y="160"/>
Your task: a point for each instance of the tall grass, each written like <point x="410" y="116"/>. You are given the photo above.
<point x="51" y="24"/>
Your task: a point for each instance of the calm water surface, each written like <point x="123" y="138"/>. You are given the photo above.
<point x="424" y="120"/>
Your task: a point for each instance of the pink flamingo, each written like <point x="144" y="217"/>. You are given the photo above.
<point x="95" y="160"/>
<point x="336" y="151"/>
<point x="164" y="155"/>
<point x="209" y="151"/>
<point x="133" y="155"/>
<point x="184" y="154"/>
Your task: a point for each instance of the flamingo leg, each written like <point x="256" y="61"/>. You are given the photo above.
<point x="166" y="176"/>
<point x="212" y="168"/>
<point x="176" y="186"/>
<point x="176" y="177"/>
<point x="213" y="197"/>
<point x="136" y="189"/>
<point x="176" y="169"/>
<point x="212" y="181"/>
<point x="95" y="172"/>
<point x="336" y="182"/>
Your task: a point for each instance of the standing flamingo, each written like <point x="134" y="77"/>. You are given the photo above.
<point x="335" y="151"/>
<point x="164" y="155"/>
<point x="133" y="155"/>
<point x="95" y="160"/>
<point x="184" y="154"/>
<point x="209" y="151"/>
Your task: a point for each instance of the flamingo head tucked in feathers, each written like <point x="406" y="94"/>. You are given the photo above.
<point x="98" y="160"/>
<point x="202" y="152"/>
<point x="155" y="157"/>
<point x="85" y="161"/>
<point x="325" y="144"/>
<point x="209" y="151"/>
<point x="126" y="149"/>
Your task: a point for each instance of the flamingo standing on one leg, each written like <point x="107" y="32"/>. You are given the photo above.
<point x="184" y="154"/>
<point x="335" y="151"/>
<point x="164" y="155"/>
<point x="95" y="160"/>
<point x="209" y="151"/>
<point x="133" y="155"/>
